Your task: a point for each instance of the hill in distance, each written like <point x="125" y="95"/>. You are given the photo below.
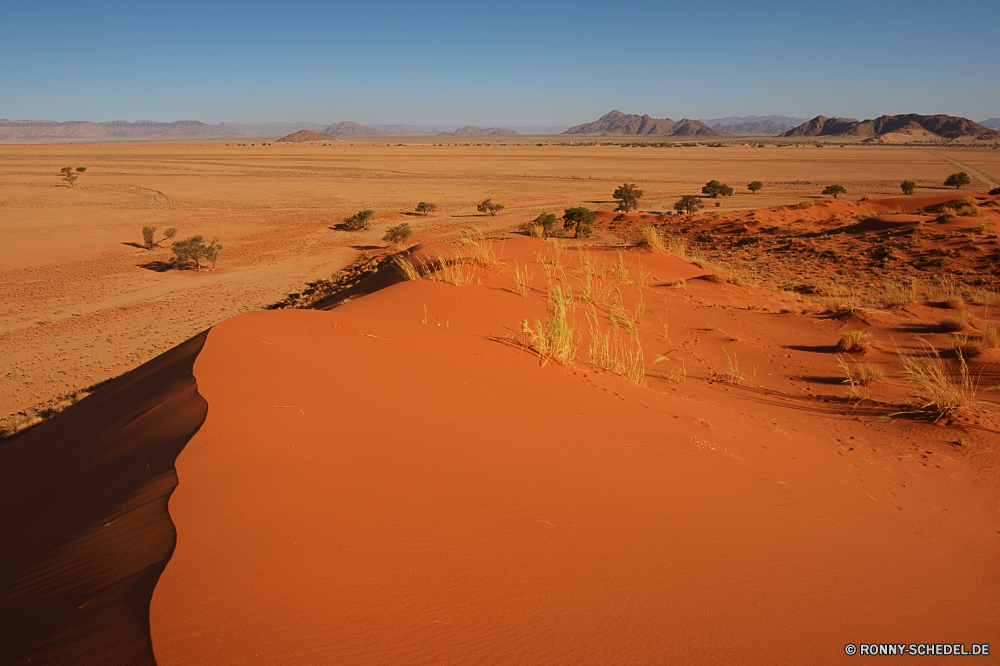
<point x="350" y="128"/>
<point x="48" y="130"/>
<point x="617" y="123"/>
<point x="903" y="127"/>
<point x="269" y="129"/>
<point x="757" y="125"/>
<point x="472" y="130"/>
<point x="306" y="136"/>
<point x="992" y="123"/>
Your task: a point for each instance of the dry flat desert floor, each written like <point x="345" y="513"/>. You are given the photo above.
<point x="752" y="435"/>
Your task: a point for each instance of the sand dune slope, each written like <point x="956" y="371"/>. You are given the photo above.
<point x="85" y="530"/>
<point x="386" y="483"/>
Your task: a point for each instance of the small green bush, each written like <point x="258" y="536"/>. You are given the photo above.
<point x="398" y="233"/>
<point x="360" y="221"/>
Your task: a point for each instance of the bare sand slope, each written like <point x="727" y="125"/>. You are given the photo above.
<point x="83" y="517"/>
<point x="391" y="482"/>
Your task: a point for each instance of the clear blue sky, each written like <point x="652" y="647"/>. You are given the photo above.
<point x="485" y="63"/>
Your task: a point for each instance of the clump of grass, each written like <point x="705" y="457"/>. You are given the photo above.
<point x="676" y="374"/>
<point x="860" y="342"/>
<point x="679" y="283"/>
<point x="896" y="294"/>
<point x="732" y="372"/>
<point x="788" y="309"/>
<point x="968" y="347"/>
<point x="613" y="353"/>
<point x="939" y="391"/>
<point x="954" y="302"/>
<point x="843" y="301"/>
<point x="991" y="337"/>
<point x="554" y="338"/>
<point x="859" y="378"/>
<point x="677" y="246"/>
<point x="957" y="322"/>
<point x="522" y="279"/>
<point x="452" y="270"/>
<point x="943" y="289"/>
<point x="479" y="249"/>
<point x="409" y="271"/>
<point x="648" y="237"/>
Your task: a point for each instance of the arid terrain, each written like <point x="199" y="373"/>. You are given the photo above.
<point x="754" y="434"/>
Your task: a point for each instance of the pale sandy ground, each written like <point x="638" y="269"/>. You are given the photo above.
<point x="77" y="307"/>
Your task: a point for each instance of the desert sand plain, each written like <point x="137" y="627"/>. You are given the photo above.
<point x="414" y="470"/>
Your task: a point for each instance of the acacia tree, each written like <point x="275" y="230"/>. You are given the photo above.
<point x="195" y="249"/>
<point x="755" y="186"/>
<point x="69" y="176"/>
<point x="835" y="190"/>
<point x="628" y="196"/>
<point x="689" y="203"/>
<point x="147" y="236"/>
<point x="398" y="233"/>
<point x="424" y="208"/>
<point x="957" y="180"/>
<point x="714" y="188"/>
<point x="489" y="207"/>
<point x="908" y="187"/>
<point x="360" y="221"/>
<point x="579" y="220"/>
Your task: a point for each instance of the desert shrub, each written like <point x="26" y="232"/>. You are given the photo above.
<point x="487" y="206"/>
<point x="195" y="249"/>
<point x="627" y="196"/>
<point x="755" y="186"/>
<point x="147" y="237"/>
<point x="991" y="337"/>
<point x="860" y="342"/>
<point x="579" y="220"/>
<point x="957" y="322"/>
<point x="908" y="187"/>
<point x="398" y="233"/>
<point x="678" y="247"/>
<point x="360" y="220"/>
<point x="425" y="208"/>
<point x="688" y="203"/>
<point x="540" y="227"/>
<point x="647" y="236"/>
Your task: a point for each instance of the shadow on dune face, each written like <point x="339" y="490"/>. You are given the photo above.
<point x="84" y="528"/>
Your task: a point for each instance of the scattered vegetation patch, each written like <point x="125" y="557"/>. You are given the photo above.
<point x="940" y="391"/>
<point x="856" y="342"/>
<point x="647" y="236"/>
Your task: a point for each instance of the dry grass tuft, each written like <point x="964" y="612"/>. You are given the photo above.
<point x="409" y="271"/>
<point x="859" y="380"/>
<point x="957" y="322"/>
<point x="991" y="337"/>
<point x="939" y="391"/>
<point x="860" y="342"/>
<point x="479" y="249"/>
<point x="612" y="352"/>
<point x="556" y="337"/>
<point x="968" y="347"/>
<point x="648" y="237"/>
<point x="522" y="279"/>
<point x="954" y="302"/>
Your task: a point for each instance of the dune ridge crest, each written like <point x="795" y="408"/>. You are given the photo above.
<point x="83" y="507"/>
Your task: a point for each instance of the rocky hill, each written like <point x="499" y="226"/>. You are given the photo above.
<point x="992" y="123"/>
<point x="472" y="130"/>
<point x="306" y="136"/>
<point x="617" y="123"/>
<point x="270" y="129"/>
<point x="351" y="128"/>
<point x="48" y="130"/>
<point x="903" y="127"/>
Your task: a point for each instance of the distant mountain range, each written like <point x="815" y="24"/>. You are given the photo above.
<point x="617" y="123"/>
<point x="905" y="127"/>
<point x="758" y="125"/>
<point x="306" y="136"/>
<point x="48" y="130"/>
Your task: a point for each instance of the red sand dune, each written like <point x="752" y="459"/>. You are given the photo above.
<point x="397" y="481"/>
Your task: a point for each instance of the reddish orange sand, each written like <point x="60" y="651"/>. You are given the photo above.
<point x="391" y="483"/>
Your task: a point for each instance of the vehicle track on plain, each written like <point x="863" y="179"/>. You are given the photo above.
<point x="969" y="170"/>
